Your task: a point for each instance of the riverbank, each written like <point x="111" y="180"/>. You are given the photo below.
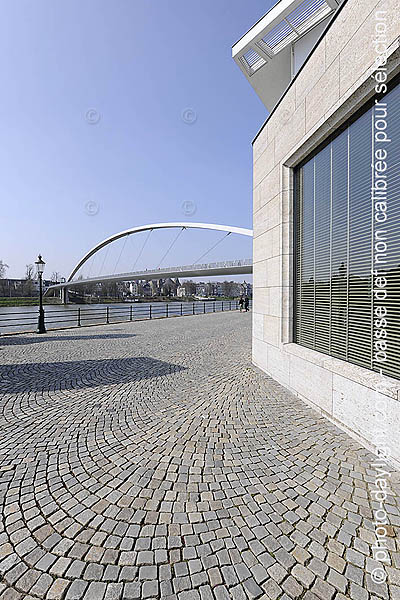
<point x="15" y="302"/>
<point x="24" y="318"/>
<point x="28" y="301"/>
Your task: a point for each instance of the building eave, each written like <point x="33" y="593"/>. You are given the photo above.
<point x="331" y="21"/>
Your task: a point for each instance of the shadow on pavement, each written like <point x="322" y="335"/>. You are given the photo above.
<point x="47" y="376"/>
<point x="23" y="340"/>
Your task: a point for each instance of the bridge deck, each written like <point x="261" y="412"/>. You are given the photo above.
<point x="234" y="267"/>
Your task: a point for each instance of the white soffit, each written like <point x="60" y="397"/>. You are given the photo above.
<point x="275" y="33"/>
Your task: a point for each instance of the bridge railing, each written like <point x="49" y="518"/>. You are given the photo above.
<point x="247" y="262"/>
<point x="87" y="315"/>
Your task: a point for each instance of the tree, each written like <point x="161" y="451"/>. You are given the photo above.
<point x="228" y="289"/>
<point x="28" y="287"/>
<point x="3" y="269"/>
<point x="190" y="288"/>
<point x="29" y="272"/>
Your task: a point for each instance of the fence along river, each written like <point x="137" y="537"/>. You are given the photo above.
<point x="24" y="318"/>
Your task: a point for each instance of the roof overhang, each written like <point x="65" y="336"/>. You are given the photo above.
<point x="264" y="53"/>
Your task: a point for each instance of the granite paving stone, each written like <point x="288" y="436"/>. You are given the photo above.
<point x="151" y="460"/>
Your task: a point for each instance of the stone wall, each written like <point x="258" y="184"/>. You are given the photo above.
<point x="333" y="84"/>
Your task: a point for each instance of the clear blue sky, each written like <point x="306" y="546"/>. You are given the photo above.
<point x="139" y="64"/>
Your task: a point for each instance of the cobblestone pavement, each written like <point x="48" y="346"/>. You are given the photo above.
<point x="150" y="460"/>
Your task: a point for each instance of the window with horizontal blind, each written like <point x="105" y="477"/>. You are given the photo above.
<point x="347" y="242"/>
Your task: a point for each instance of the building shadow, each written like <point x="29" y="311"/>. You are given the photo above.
<point x="53" y="376"/>
<point x="22" y="340"/>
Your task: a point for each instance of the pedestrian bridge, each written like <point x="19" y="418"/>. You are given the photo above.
<point x="232" y="267"/>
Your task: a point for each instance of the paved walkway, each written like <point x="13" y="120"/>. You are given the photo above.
<point x="150" y="460"/>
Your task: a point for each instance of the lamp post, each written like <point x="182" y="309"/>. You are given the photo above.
<point x="40" y="268"/>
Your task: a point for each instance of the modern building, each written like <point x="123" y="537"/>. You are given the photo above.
<point x="326" y="312"/>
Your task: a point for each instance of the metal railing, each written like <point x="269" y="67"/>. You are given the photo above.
<point x="245" y="262"/>
<point x="82" y="316"/>
<point x="156" y="273"/>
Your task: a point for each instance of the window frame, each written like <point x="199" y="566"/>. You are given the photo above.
<point x="298" y="189"/>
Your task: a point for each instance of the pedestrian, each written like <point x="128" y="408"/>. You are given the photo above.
<point x="246" y="304"/>
<point x="241" y="302"/>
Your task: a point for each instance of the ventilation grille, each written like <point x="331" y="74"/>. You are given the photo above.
<point x="303" y="18"/>
<point x="279" y="37"/>
<point x="252" y="61"/>
<point x="308" y="14"/>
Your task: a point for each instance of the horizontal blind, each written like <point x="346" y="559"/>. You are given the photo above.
<point x="306" y="267"/>
<point x="339" y="245"/>
<point x="392" y="226"/>
<point x="322" y="207"/>
<point x="335" y="235"/>
<point x="360" y="242"/>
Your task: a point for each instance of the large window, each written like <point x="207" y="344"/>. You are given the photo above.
<point x="347" y="242"/>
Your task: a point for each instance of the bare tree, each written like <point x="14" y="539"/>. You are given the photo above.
<point x="28" y="287"/>
<point x="190" y="288"/>
<point x="29" y="272"/>
<point x="227" y="289"/>
<point x="3" y="269"/>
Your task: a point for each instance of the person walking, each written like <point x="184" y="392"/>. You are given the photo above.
<point x="241" y="302"/>
<point x="246" y="304"/>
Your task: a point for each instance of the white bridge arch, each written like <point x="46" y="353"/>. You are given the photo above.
<point x="151" y="227"/>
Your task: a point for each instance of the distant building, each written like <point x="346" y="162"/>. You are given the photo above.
<point x="146" y="289"/>
<point x="17" y="288"/>
<point x="155" y="287"/>
<point x="169" y="288"/>
<point x="174" y="288"/>
<point x="201" y="289"/>
<point x="134" y="288"/>
<point x="218" y="289"/>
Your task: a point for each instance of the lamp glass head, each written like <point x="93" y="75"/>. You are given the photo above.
<point x="40" y="264"/>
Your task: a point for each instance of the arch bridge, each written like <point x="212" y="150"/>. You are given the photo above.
<point x="235" y="267"/>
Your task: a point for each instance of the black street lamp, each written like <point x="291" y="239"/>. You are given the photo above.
<point x="40" y="268"/>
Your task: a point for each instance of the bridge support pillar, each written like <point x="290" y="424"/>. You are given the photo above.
<point x="64" y="296"/>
